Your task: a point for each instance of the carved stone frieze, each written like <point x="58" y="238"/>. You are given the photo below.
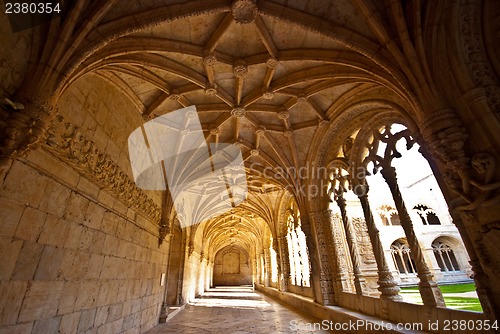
<point x="66" y="142"/>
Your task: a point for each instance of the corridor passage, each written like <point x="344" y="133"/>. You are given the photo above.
<point x="237" y="310"/>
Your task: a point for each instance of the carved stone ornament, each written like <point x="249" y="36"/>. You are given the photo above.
<point x="268" y="95"/>
<point x="240" y="69"/>
<point x="272" y="62"/>
<point x="163" y="231"/>
<point x="444" y="132"/>
<point x="284" y="114"/>
<point x="66" y="142"/>
<point x="209" y="60"/>
<point x="211" y="90"/>
<point x="477" y="190"/>
<point x="238" y="112"/>
<point x="23" y="125"/>
<point x="347" y="146"/>
<point x="470" y="178"/>
<point x="244" y="11"/>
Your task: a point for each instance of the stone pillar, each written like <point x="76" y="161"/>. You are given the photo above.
<point x="429" y="290"/>
<point x="285" y="263"/>
<point x="387" y="286"/>
<point x="164" y="305"/>
<point x="313" y="259"/>
<point x="180" y="298"/>
<point x="325" y="243"/>
<point x="267" y="267"/>
<point x="359" y="281"/>
<point x="264" y="269"/>
<point x="278" y="263"/>
<point x="335" y="235"/>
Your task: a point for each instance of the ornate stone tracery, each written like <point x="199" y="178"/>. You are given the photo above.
<point x="431" y="295"/>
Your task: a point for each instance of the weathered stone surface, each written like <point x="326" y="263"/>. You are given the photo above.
<point x="10" y="251"/>
<point x="54" y="231"/>
<point x="49" y="267"/>
<point x="27" y="261"/>
<point x="24" y="185"/>
<point x="69" y="323"/>
<point x="12" y="297"/>
<point x="31" y="224"/>
<point x="55" y="198"/>
<point x="41" y="300"/>
<point x="10" y="214"/>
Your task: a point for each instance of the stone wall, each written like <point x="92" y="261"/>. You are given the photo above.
<point x="73" y="258"/>
<point x="232" y="267"/>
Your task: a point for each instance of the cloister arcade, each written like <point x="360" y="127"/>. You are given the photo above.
<point x="368" y="133"/>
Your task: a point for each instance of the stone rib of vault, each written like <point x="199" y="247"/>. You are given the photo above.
<point x="204" y="180"/>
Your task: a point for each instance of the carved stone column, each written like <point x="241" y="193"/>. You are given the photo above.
<point x="23" y="126"/>
<point x="314" y="260"/>
<point x="326" y="251"/>
<point x="429" y="290"/>
<point x="285" y="262"/>
<point x="359" y="281"/>
<point x="387" y="286"/>
<point x="335" y="237"/>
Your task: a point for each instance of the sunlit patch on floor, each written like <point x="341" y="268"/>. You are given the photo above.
<point x="243" y="297"/>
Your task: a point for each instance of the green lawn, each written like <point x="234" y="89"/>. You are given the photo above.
<point x="457" y="288"/>
<point x="411" y="295"/>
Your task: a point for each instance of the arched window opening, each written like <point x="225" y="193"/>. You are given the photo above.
<point x="445" y="256"/>
<point x="389" y="215"/>
<point x="297" y="250"/>
<point x="384" y="219"/>
<point x="433" y="219"/>
<point x="401" y="256"/>
<point x="427" y="215"/>
<point x="395" y="219"/>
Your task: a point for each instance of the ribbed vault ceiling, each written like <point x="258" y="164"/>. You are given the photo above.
<point x="269" y="76"/>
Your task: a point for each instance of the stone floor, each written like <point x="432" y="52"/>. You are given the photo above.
<point x="237" y="310"/>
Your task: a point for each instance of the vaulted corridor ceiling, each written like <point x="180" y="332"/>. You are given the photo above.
<point x="308" y="91"/>
<point x="266" y="77"/>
